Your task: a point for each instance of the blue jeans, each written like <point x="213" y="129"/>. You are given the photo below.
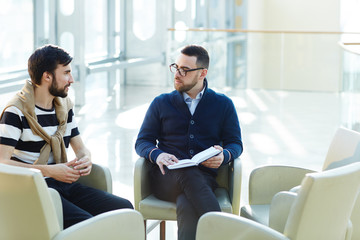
<point x="192" y="190"/>
<point x="80" y="202"/>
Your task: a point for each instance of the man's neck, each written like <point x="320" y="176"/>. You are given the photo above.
<point x="43" y="98"/>
<point x="196" y="90"/>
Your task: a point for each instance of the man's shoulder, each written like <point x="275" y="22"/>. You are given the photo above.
<point x="13" y="109"/>
<point x="165" y="96"/>
<point x="217" y="96"/>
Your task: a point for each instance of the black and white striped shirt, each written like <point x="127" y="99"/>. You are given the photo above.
<point x="15" y="131"/>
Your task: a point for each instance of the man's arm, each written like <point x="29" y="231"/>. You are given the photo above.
<point x="231" y="132"/>
<point x="60" y="172"/>
<point x="232" y="145"/>
<point x="145" y="145"/>
<point x="147" y="138"/>
<point x="83" y="162"/>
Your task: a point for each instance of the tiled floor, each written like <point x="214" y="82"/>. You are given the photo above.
<point x="278" y="127"/>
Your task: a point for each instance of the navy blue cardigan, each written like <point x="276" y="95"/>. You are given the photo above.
<point x="170" y="127"/>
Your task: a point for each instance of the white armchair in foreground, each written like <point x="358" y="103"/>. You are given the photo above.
<point x="27" y="211"/>
<point x="320" y="210"/>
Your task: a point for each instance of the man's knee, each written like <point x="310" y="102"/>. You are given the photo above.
<point x="190" y="176"/>
<point x="126" y="204"/>
<point x="116" y="202"/>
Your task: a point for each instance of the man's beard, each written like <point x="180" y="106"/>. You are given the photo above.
<point x="55" y="91"/>
<point x="186" y="87"/>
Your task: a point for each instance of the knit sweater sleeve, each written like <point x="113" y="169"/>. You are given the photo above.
<point x="146" y="143"/>
<point x="232" y="143"/>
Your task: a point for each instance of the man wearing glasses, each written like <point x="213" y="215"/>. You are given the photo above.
<point x="179" y="125"/>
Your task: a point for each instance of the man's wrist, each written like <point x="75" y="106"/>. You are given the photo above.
<point x="227" y="156"/>
<point x="154" y="153"/>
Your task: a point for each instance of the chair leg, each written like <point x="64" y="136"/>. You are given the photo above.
<point x="145" y="229"/>
<point x="162" y="230"/>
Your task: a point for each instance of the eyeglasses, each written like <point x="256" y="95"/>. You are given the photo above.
<point x="174" y="68"/>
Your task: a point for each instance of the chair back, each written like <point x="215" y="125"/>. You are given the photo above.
<point x="324" y="204"/>
<point x="263" y="179"/>
<point x="26" y="207"/>
<point x="344" y="149"/>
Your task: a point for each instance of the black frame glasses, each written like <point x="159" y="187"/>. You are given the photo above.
<point x="174" y="68"/>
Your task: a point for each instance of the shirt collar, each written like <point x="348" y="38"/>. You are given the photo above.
<point x="198" y="96"/>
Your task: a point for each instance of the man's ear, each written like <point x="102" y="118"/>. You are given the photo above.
<point x="47" y="77"/>
<point x="203" y="73"/>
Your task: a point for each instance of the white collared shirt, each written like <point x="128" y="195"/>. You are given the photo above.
<point x="192" y="103"/>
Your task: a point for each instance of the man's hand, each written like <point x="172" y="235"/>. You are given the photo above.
<point x="83" y="165"/>
<point x="165" y="159"/>
<point x="64" y="172"/>
<point x="214" y="162"/>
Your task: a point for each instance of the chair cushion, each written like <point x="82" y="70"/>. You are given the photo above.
<point x="154" y="208"/>
<point x="258" y="213"/>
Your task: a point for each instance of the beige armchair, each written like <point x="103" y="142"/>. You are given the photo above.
<point x="320" y="210"/>
<point x="100" y="178"/>
<point x="27" y="212"/>
<point x="228" y="193"/>
<point x="266" y="181"/>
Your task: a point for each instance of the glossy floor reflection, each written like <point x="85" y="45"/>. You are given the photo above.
<point x="278" y="127"/>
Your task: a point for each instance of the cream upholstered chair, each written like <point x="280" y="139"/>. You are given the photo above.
<point x="228" y="193"/>
<point x="100" y="178"/>
<point x="27" y="212"/>
<point x="266" y="181"/>
<point x="320" y="210"/>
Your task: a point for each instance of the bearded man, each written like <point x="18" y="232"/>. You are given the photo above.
<point x="180" y="124"/>
<point x="38" y="125"/>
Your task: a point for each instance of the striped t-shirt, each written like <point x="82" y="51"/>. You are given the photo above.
<point x="15" y="131"/>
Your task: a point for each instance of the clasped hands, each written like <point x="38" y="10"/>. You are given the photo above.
<point x="71" y="171"/>
<point x="166" y="159"/>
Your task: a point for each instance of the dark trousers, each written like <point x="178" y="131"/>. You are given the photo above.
<point x="193" y="192"/>
<point x="80" y="202"/>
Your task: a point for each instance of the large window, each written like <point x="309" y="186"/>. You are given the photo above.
<point x="16" y="35"/>
<point x="144" y="12"/>
<point x="95" y="29"/>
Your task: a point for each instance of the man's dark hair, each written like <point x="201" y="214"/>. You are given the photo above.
<point x="46" y="59"/>
<point x="202" y="56"/>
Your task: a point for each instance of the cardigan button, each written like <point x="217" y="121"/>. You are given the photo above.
<point x="192" y="122"/>
<point x="191" y="136"/>
<point x="191" y="151"/>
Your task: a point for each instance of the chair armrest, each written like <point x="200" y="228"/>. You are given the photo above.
<point x="219" y="225"/>
<point x="349" y="231"/>
<point x="118" y="224"/>
<point x="55" y="196"/>
<point x="141" y="181"/>
<point x="266" y="181"/>
<point x="235" y="170"/>
<point x="295" y="189"/>
<point x="279" y="210"/>
<point x="355" y="218"/>
<point x="99" y="178"/>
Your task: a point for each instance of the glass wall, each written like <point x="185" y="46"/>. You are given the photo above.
<point x="134" y="36"/>
<point x="16" y="35"/>
<point x="96" y="23"/>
